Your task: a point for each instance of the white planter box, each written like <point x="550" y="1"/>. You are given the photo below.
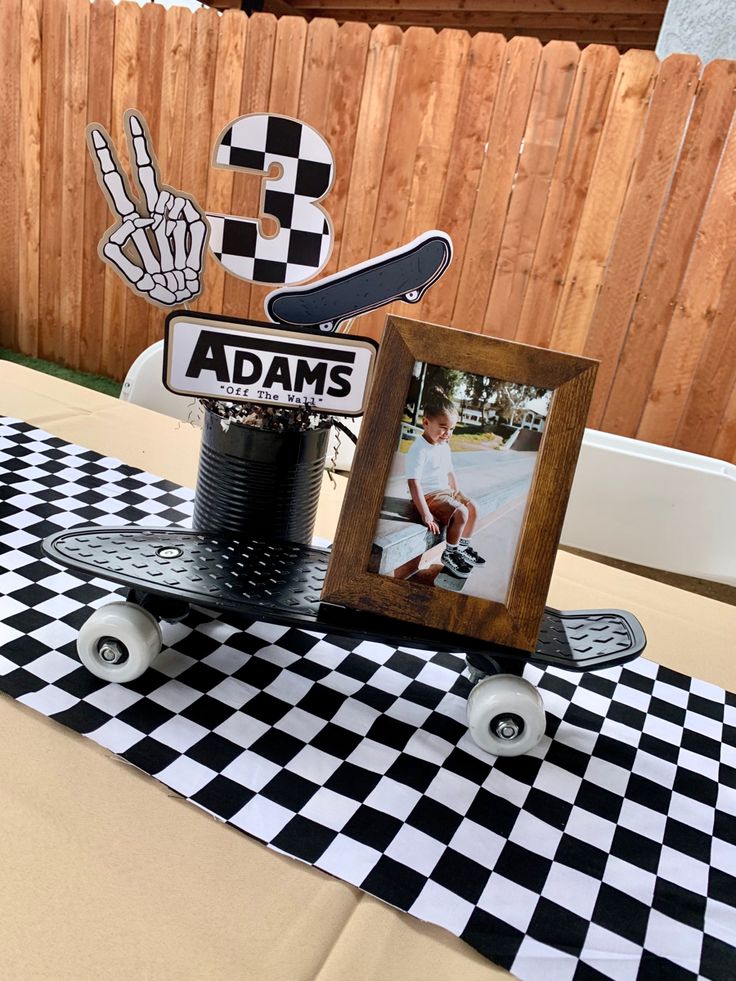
<point x="654" y="506"/>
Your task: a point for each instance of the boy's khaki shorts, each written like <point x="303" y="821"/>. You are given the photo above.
<point x="444" y="503"/>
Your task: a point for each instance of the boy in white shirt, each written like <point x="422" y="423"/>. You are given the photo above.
<point x="433" y="486"/>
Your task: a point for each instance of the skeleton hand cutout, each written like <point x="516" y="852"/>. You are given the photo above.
<point x="157" y="244"/>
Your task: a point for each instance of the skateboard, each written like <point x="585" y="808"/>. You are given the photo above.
<point x="403" y="274"/>
<point x="446" y="580"/>
<point x="166" y="571"/>
<point x="436" y="575"/>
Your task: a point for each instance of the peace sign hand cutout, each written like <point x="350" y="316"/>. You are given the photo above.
<point x="157" y="244"/>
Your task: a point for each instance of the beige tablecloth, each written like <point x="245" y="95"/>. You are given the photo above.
<point x="105" y="874"/>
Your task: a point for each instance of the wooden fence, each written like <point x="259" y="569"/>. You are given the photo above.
<point x="591" y="196"/>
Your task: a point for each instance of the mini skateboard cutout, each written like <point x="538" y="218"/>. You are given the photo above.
<point x="402" y="274"/>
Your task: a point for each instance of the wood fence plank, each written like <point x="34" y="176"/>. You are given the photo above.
<point x="370" y="144"/>
<point x="246" y="196"/>
<point x="30" y="176"/>
<point x="616" y="156"/>
<point x="366" y="196"/>
<point x="317" y="74"/>
<point x="53" y="28"/>
<point x="72" y="204"/>
<point x="341" y="123"/>
<point x="669" y="111"/>
<point x="197" y="123"/>
<point x="436" y="132"/>
<point x="715" y="104"/>
<point x="550" y="101"/>
<point x="578" y="150"/>
<point x="475" y="109"/>
<point x="288" y="65"/>
<point x="315" y="96"/>
<point x="432" y="167"/>
<point x="197" y="151"/>
<point x="715" y="377"/>
<point x="150" y="63"/>
<point x="286" y="83"/>
<point x="10" y="191"/>
<point x="704" y="287"/>
<point x="229" y="78"/>
<point x="124" y="96"/>
<point x="496" y="182"/>
<point x="97" y="215"/>
<point x="175" y="55"/>
<point x="410" y="106"/>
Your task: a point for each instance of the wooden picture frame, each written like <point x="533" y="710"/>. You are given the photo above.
<point x="515" y="621"/>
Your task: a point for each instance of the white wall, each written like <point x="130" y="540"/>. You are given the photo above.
<point x="706" y="28"/>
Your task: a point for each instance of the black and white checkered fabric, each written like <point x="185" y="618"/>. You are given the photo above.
<point x="607" y="852"/>
<point x="303" y="243"/>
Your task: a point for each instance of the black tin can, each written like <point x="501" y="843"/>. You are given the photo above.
<point x="259" y="483"/>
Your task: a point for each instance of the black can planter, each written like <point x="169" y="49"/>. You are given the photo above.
<point x="257" y="483"/>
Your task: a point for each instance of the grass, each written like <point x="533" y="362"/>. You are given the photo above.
<point x="463" y="443"/>
<point x="97" y="382"/>
<point x="475" y="441"/>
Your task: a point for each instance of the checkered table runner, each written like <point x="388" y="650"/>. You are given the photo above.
<point x="607" y="852"/>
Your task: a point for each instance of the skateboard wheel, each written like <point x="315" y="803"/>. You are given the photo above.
<point x="506" y="715"/>
<point x="119" y="642"/>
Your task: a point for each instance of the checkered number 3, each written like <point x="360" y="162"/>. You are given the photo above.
<point x="297" y="170"/>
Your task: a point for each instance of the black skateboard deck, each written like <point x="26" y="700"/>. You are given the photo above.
<point x="281" y="582"/>
<point x="405" y="274"/>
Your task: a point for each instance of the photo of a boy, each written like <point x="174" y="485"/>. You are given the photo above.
<point x="459" y="480"/>
<point x="434" y="490"/>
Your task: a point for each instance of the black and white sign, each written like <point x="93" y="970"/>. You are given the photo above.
<point x="212" y="357"/>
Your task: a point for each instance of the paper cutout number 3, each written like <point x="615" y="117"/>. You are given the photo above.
<point x="303" y="243"/>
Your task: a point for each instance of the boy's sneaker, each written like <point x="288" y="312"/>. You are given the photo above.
<point x="454" y="561"/>
<point x="471" y="556"/>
